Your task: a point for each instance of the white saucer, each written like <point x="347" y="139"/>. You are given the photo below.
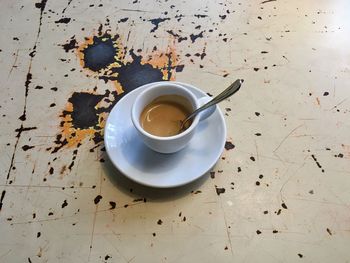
<point x="141" y="164"/>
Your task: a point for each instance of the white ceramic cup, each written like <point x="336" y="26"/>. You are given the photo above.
<point x="177" y="142"/>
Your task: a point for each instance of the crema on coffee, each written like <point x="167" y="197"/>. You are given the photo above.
<point x="164" y="115"/>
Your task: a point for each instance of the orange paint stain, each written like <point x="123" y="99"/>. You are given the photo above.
<point x="165" y="62"/>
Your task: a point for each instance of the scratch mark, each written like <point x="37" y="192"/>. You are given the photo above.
<point x="116" y="249"/>
<point x="94" y="220"/>
<point x="69" y="2"/>
<point x="227" y="232"/>
<point x="41" y="6"/>
<point x="257" y="151"/>
<point x="2" y="198"/>
<point x="14" y="64"/>
<point x="267" y="1"/>
<point x="285" y="138"/>
<point x="136" y="10"/>
<point x="341" y="102"/>
<point x="3" y="255"/>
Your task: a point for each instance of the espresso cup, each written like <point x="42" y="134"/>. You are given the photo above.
<point x="173" y="143"/>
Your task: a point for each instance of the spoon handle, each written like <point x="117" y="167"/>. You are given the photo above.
<point x="229" y="91"/>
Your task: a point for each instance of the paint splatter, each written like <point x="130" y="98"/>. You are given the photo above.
<point x="229" y="145"/>
<point x="104" y="58"/>
<point x="156" y="22"/>
<point x="97" y="199"/>
<point x="64" y="20"/>
<point x="220" y="190"/>
<point x="112" y="204"/>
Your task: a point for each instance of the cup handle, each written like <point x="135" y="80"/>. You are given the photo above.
<point x="207" y="112"/>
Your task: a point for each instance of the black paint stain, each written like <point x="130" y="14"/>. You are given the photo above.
<point x="97" y="199"/>
<point x="2" y="198"/>
<point x="64" y="20"/>
<point x="300" y="255"/>
<point x="252" y="158"/>
<point x="22" y="129"/>
<point x="317" y="163"/>
<point x="41" y="5"/>
<point x="51" y="170"/>
<point x="179" y="68"/>
<point x="23" y="117"/>
<point x="64" y="204"/>
<point x="275" y="231"/>
<point x="256" y="69"/>
<point x="113" y="205"/>
<point x="229" y="145"/>
<point x="340" y="155"/>
<point x="123" y="20"/>
<point x="50" y="214"/>
<point x="84" y="114"/>
<point x="284" y="206"/>
<point x="177" y="36"/>
<point x="329" y="231"/>
<point x="71" y="166"/>
<point x="219" y="190"/>
<point x="239" y="169"/>
<point x="135" y="74"/>
<point x="107" y="257"/>
<point x="257" y="183"/>
<point x="257" y="113"/>
<point x="326" y="93"/>
<point x="200" y="16"/>
<point x="29" y="261"/>
<point x="258" y="232"/>
<point x="64" y="9"/>
<point x="38" y="235"/>
<point x="156" y="22"/>
<point x="98" y="56"/>
<point x="72" y="44"/>
<point x="194" y="37"/>
<point x="159" y="222"/>
<point x="212" y="175"/>
<point x="101" y="53"/>
<point x="257" y="134"/>
<point x="27" y="147"/>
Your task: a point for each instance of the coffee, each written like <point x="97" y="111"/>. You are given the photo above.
<point x="164" y="115"/>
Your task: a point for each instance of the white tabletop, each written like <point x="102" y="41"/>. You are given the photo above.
<point x="280" y="191"/>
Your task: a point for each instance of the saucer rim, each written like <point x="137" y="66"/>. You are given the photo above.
<point x="212" y="164"/>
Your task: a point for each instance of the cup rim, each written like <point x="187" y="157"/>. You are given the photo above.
<point x="135" y="119"/>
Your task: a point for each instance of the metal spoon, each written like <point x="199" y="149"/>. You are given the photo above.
<point x="229" y="91"/>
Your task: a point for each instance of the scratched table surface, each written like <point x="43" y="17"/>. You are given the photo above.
<point x="280" y="191"/>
